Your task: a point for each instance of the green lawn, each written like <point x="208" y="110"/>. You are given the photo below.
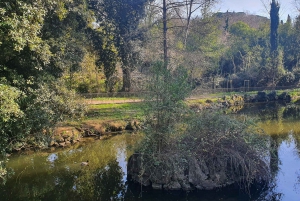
<point x="113" y="98"/>
<point x="113" y="112"/>
<point x="129" y="111"/>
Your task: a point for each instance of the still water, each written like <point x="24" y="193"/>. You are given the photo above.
<point x="58" y="175"/>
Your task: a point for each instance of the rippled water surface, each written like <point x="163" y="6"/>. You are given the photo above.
<point x="58" y="175"/>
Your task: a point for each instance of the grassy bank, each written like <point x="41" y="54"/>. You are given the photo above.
<point x="125" y="109"/>
<point x="112" y="111"/>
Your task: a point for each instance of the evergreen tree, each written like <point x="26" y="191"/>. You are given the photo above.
<point x="274" y="16"/>
<point x="286" y="41"/>
<point x="226" y="27"/>
<point x="289" y="20"/>
<point x="124" y="16"/>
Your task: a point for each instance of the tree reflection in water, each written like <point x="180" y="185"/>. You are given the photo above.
<point x="108" y="183"/>
<point x="59" y="176"/>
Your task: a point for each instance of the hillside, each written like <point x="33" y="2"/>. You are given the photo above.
<point x="253" y="21"/>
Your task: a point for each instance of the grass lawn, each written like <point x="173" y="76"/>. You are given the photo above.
<point x="134" y="110"/>
<point x="114" y="112"/>
<point x="113" y="98"/>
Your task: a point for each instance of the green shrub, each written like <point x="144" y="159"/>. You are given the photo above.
<point x="35" y="113"/>
<point x="50" y="104"/>
<point x="10" y="113"/>
<point x="165" y="106"/>
<point x="239" y="147"/>
<point x="287" y="80"/>
<point x="177" y="140"/>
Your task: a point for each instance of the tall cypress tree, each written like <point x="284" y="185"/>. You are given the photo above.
<point x="274" y="16"/>
<point x="276" y="61"/>
<point x="226" y="27"/>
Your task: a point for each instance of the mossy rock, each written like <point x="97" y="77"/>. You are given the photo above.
<point x="272" y="96"/>
<point x="262" y="96"/>
<point x="133" y="125"/>
<point x="116" y="126"/>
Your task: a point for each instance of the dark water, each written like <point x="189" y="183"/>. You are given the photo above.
<point x="58" y="175"/>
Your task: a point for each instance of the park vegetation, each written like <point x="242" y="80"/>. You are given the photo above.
<point x="53" y="50"/>
<point x="183" y="149"/>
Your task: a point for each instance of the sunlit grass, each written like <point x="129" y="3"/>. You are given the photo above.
<point x="113" y="98"/>
<point x="202" y="101"/>
<point x="112" y="112"/>
<point x="128" y="111"/>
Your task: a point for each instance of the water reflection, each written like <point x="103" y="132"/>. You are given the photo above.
<point x="59" y="175"/>
<point x="283" y="124"/>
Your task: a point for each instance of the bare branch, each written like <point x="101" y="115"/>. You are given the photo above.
<point x="297" y="5"/>
<point x="266" y="5"/>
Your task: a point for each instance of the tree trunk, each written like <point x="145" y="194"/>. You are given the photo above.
<point x="165" y="29"/>
<point x="188" y="22"/>
<point x="126" y="80"/>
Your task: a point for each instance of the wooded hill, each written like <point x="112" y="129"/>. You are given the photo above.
<point x="254" y="21"/>
<point x="52" y="50"/>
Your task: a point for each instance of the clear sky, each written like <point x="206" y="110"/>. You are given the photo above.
<point x="257" y="7"/>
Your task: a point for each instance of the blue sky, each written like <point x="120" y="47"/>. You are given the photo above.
<point x="257" y="7"/>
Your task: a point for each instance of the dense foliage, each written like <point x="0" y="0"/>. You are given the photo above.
<point x="39" y="46"/>
<point x="265" y="54"/>
<point x="51" y="49"/>
<point x="221" y="150"/>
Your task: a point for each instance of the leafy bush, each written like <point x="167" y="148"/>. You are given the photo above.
<point x="8" y="106"/>
<point x="287" y="80"/>
<point x="50" y="105"/>
<point x="10" y="112"/>
<point x="3" y="171"/>
<point x="165" y="106"/>
<point x="211" y="150"/>
<point x="236" y="147"/>
<point x="37" y="113"/>
<point x="297" y="76"/>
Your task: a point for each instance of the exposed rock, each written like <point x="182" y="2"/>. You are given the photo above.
<point x="198" y="176"/>
<point x="73" y="141"/>
<point x="174" y="185"/>
<point x="261" y="96"/>
<point x="157" y="186"/>
<point x="133" y="125"/>
<point x="186" y="186"/>
<point x="62" y="144"/>
<point x="60" y="140"/>
<point x="272" y="96"/>
<point x="52" y="143"/>
<point x="133" y="168"/>
<point x="116" y="126"/>
<point x="66" y="136"/>
<point x="248" y="98"/>
<point x="157" y="178"/>
<point x="285" y="97"/>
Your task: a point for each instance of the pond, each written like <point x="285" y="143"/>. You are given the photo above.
<point x="58" y="174"/>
